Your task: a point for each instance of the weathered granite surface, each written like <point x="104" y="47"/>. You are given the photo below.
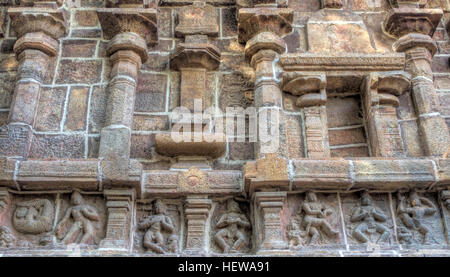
<point x="88" y="166"/>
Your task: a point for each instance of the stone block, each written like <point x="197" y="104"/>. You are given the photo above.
<point x="325" y="174"/>
<point x="50" y="109"/>
<point x="79" y="72"/>
<point x="77" y="109"/>
<point x="79" y="48"/>
<point x="57" y="146"/>
<point x="151" y="93"/>
<point x="393" y="174"/>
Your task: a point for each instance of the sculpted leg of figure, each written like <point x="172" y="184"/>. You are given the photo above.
<point x="314" y="233"/>
<point x="88" y="233"/>
<point x="149" y="242"/>
<point x="240" y="242"/>
<point x="220" y="240"/>
<point x="424" y="231"/>
<point x="384" y="231"/>
<point x="73" y="233"/>
<point x="327" y="229"/>
<point x="358" y="233"/>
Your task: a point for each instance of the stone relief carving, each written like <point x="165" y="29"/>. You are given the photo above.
<point x="7" y="239"/>
<point x="83" y="229"/>
<point x="314" y="219"/>
<point x="231" y="227"/>
<point x="34" y="216"/>
<point x="412" y="212"/>
<point x="370" y="220"/>
<point x="160" y="237"/>
<point x="311" y="225"/>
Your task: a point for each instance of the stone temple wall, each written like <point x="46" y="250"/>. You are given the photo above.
<point x="88" y="166"/>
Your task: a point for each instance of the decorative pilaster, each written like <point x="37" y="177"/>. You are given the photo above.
<point x="414" y="27"/>
<point x="120" y="209"/>
<point x="269" y="206"/>
<point x="38" y="30"/>
<point x="381" y="102"/>
<point x="131" y="31"/>
<point x="261" y="29"/>
<point x="196" y="211"/>
<point x="311" y="90"/>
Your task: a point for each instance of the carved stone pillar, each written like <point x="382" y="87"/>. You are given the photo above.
<point x="269" y="206"/>
<point x="120" y="209"/>
<point x="311" y="90"/>
<point x="413" y="27"/>
<point x="38" y="30"/>
<point x="381" y="102"/>
<point x="261" y="28"/>
<point x="130" y="31"/>
<point x="196" y="211"/>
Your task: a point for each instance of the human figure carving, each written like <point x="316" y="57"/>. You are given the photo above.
<point x="34" y="216"/>
<point x="83" y="216"/>
<point x="230" y="237"/>
<point x="294" y="234"/>
<point x="7" y="239"/>
<point x="412" y="215"/>
<point x="314" y="220"/>
<point x="155" y="225"/>
<point x="404" y="235"/>
<point x="370" y="219"/>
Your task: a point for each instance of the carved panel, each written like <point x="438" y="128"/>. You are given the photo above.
<point x="231" y="228"/>
<point x="158" y="227"/>
<point x="368" y="220"/>
<point x="418" y="219"/>
<point x="81" y="220"/>
<point x="314" y="221"/>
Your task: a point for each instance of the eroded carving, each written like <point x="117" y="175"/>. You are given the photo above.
<point x="7" y="239"/>
<point x="231" y="226"/>
<point x="82" y="230"/>
<point x="159" y="229"/>
<point x="34" y="216"/>
<point x="413" y="210"/>
<point x="370" y="221"/>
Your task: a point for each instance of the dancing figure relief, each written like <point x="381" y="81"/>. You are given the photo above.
<point x="82" y="230"/>
<point x="159" y="229"/>
<point x="232" y="225"/>
<point x="370" y="220"/>
<point x="413" y="211"/>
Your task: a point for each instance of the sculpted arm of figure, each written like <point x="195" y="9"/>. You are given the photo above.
<point x="379" y="215"/>
<point x="357" y="215"/>
<point x="63" y="221"/>
<point x="90" y="213"/>
<point x="432" y="208"/>
<point x="223" y="222"/>
<point x="309" y="211"/>
<point x="167" y="224"/>
<point x="243" y="222"/>
<point x="145" y="223"/>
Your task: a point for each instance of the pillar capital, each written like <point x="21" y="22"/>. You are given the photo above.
<point x="129" y="29"/>
<point x="415" y="41"/>
<point x="52" y="22"/>
<point x="253" y="21"/>
<point x="404" y="20"/>
<point x="37" y="41"/>
<point x="195" y="55"/>
<point x="264" y="41"/>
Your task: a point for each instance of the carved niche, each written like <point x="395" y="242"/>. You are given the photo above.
<point x="82" y="220"/>
<point x="158" y="228"/>
<point x="231" y="228"/>
<point x="313" y="220"/>
<point x="368" y="219"/>
<point x="418" y="219"/>
<point x="31" y="220"/>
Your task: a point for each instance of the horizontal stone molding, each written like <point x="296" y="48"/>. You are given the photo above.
<point x="375" y="174"/>
<point x="354" y="62"/>
<point x="178" y="183"/>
